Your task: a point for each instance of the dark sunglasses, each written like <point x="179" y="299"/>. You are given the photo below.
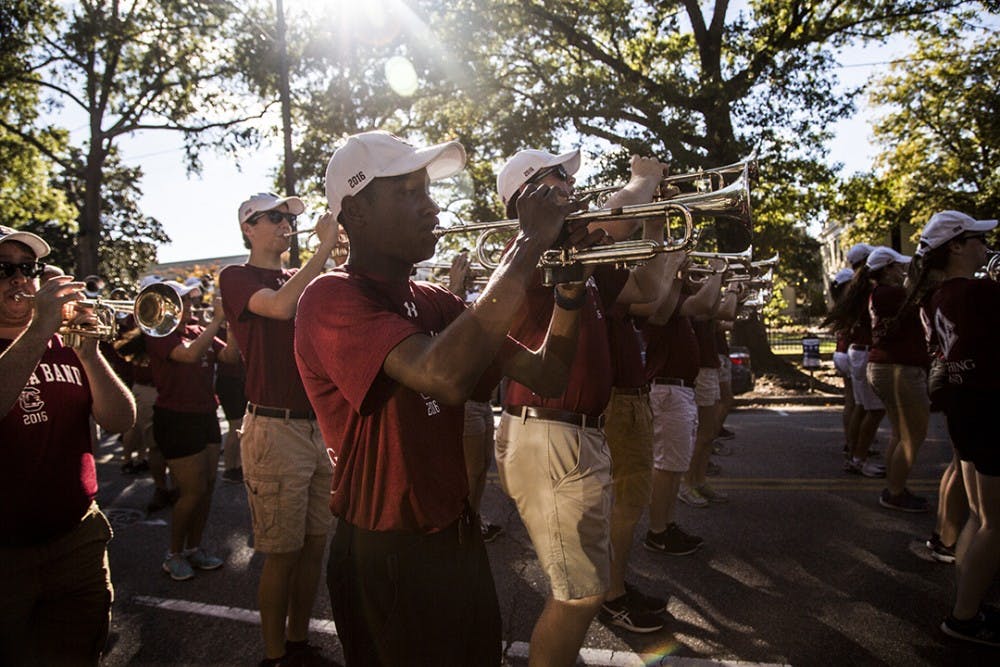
<point x="558" y="170"/>
<point x="27" y="269"/>
<point x="275" y="217"/>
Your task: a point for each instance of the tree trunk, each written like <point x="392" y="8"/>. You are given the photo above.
<point x="89" y="232"/>
<point x="752" y="334"/>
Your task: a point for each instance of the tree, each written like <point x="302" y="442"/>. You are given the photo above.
<point x="125" y="67"/>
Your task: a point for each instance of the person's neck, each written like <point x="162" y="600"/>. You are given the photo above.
<point x="380" y="266"/>
<point x="265" y="260"/>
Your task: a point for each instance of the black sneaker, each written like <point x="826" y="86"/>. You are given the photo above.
<point x="491" y="531"/>
<point x="714" y="469"/>
<point x="904" y="502"/>
<point x="650" y="603"/>
<point x="304" y="654"/>
<point x="939" y="551"/>
<point x="673" y="541"/>
<point x="623" y="613"/>
<point x="975" y="629"/>
<point x="725" y="434"/>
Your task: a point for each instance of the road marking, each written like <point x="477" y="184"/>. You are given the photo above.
<point x="783" y="413"/>
<point x="588" y="656"/>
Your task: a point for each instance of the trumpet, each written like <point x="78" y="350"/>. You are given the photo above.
<point x="157" y="310"/>
<point x="992" y="268"/>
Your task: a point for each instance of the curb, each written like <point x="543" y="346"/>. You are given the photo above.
<point x="790" y="399"/>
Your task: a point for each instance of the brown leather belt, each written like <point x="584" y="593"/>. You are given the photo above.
<point x="279" y="413"/>
<point x="632" y="391"/>
<point x="677" y="382"/>
<point x="555" y="415"/>
<point x="863" y="348"/>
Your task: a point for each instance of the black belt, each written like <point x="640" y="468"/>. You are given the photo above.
<point x="863" y="348"/>
<point x="677" y="382"/>
<point x="632" y="391"/>
<point x="279" y="413"/>
<point x="554" y="415"/>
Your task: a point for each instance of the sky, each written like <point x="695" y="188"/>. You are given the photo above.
<point x="198" y="212"/>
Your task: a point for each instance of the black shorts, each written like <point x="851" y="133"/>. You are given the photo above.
<point x="414" y="599"/>
<point x="230" y="392"/>
<point x="972" y="430"/>
<point x="180" y="434"/>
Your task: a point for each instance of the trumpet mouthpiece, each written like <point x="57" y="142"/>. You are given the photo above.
<point x="24" y="296"/>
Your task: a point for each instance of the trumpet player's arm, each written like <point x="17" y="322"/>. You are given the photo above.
<point x="646" y="282"/>
<point x="280" y="304"/>
<point x="230" y="354"/>
<point x="660" y="310"/>
<point x="646" y="174"/>
<point x="704" y="304"/>
<point x="192" y="352"/>
<point x="729" y="303"/>
<point x="113" y="405"/>
<point x="19" y="360"/>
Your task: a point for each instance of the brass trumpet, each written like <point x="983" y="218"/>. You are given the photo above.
<point x="157" y="310"/>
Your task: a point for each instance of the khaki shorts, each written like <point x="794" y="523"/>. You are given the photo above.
<point x="559" y="476"/>
<point x="725" y="369"/>
<point x="288" y="476"/>
<point x="628" y="426"/>
<point x="675" y="422"/>
<point x="900" y="386"/>
<point x="706" y="388"/>
<point x="864" y="394"/>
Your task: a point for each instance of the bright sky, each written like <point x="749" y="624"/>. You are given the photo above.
<point x="199" y="212"/>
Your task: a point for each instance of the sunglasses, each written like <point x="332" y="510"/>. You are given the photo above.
<point x="558" y="170"/>
<point x="275" y="217"/>
<point x="27" y="269"/>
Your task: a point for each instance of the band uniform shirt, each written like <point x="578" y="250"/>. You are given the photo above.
<point x="626" y="349"/>
<point x="48" y="476"/>
<point x="965" y="315"/>
<point x="272" y="378"/>
<point x="398" y="460"/>
<point x="906" y="344"/>
<point x="589" y="388"/>
<point x="672" y="348"/>
<point x="181" y="386"/>
<point x="708" y="356"/>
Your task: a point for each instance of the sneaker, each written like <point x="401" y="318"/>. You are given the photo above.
<point x="304" y="654"/>
<point x="203" y="560"/>
<point x="491" y="531"/>
<point x="624" y="614"/>
<point x="721" y="449"/>
<point x="725" y="434"/>
<point x="853" y="466"/>
<point x="178" y="567"/>
<point x="673" y="541"/>
<point x="976" y="629"/>
<point x="872" y="469"/>
<point x="130" y="467"/>
<point x="711" y="495"/>
<point x="161" y="499"/>
<point x="233" y="476"/>
<point x="904" y="502"/>
<point x="714" y="469"/>
<point x="939" y="551"/>
<point x="691" y="497"/>
<point x="649" y="603"/>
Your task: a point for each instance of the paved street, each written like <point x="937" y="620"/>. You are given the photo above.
<point x="802" y="567"/>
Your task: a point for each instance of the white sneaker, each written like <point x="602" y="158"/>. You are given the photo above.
<point x="691" y="497"/>
<point x="872" y="469"/>
<point x="711" y="495"/>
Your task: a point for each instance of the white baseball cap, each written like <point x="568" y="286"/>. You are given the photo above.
<point x="33" y="241"/>
<point x="149" y="280"/>
<point x="521" y="166"/>
<point x="946" y="225"/>
<point x="182" y="289"/>
<point x="377" y="154"/>
<point x="882" y="256"/>
<point x="858" y="253"/>
<point x="843" y="276"/>
<point x="266" y="201"/>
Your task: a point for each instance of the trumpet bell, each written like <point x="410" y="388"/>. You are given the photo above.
<point x="157" y="310"/>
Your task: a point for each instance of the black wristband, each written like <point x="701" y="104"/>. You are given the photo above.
<point x="567" y="303"/>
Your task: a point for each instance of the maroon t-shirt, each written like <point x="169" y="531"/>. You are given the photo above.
<point x="48" y="475"/>
<point x="861" y="332"/>
<point x="626" y="349"/>
<point x="965" y="314"/>
<point x="266" y="344"/>
<point x="841" y="342"/>
<point x="398" y="461"/>
<point x="180" y="386"/>
<point x="704" y="330"/>
<point x="590" y="377"/>
<point x="672" y="348"/>
<point x="235" y="371"/>
<point x="906" y="344"/>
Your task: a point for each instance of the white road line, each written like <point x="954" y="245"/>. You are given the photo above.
<point x="782" y="413"/>
<point x="588" y="656"/>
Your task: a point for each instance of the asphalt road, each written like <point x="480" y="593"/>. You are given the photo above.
<point x="802" y="567"/>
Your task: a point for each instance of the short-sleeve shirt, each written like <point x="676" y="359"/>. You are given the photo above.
<point x="48" y="475"/>
<point x="672" y="348"/>
<point x="182" y="386"/>
<point x="905" y="345"/>
<point x="965" y="314"/>
<point x="708" y="357"/>
<point x="626" y="349"/>
<point x="589" y="387"/>
<point x="266" y="344"/>
<point x="861" y="332"/>
<point x="398" y="462"/>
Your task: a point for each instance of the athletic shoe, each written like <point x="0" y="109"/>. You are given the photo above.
<point x="939" y="551"/>
<point x="853" y="465"/>
<point x="178" y="567"/>
<point x="721" y="449"/>
<point x="130" y="467"/>
<point x="976" y="629"/>
<point x="624" y="613"/>
<point x="673" y="541"/>
<point x="203" y="560"/>
<point x="691" y="497"/>
<point x="491" y="532"/>
<point x="233" y="476"/>
<point x="904" y="502"/>
<point x="872" y="469"/>
<point x="711" y="495"/>
<point x="713" y="469"/>
<point x="160" y="500"/>
<point x="304" y="654"/>
<point x="725" y="434"/>
<point x="650" y="603"/>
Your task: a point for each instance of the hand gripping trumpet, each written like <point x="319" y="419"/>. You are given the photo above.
<point x="157" y="310"/>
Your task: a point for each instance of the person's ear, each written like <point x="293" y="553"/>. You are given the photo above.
<point x="353" y="211"/>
